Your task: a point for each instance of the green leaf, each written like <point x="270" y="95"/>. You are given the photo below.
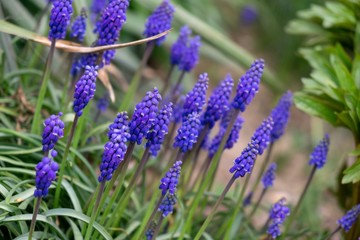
<point x="352" y="174"/>
<point x="315" y="106"/>
<point x="343" y="75"/>
<point x="356" y="70"/>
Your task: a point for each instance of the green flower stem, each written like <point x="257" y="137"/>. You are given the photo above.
<point x="266" y="225"/>
<point x="257" y="203"/>
<point x="263" y="166"/>
<point x="95" y="210"/>
<point x="238" y="205"/>
<point x="167" y="143"/>
<point x="167" y="80"/>
<point x="64" y="162"/>
<point x="90" y="205"/>
<point x="213" y="211"/>
<point x="129" y="96"/>
<point x="44" y="82"/>
<point x="35" y="213"/>
<point x="333" y="233"/>
<point x="121" y="206"/>
<point x="296" y="209"/>
<point x="153" y="214"/>
<point x="200" y="193"/>
<point x="176" y="87"/>
<point x="202" y="174"/>
<point x="157" y="229"/>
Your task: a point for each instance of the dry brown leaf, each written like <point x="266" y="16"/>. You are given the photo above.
<point x="104" y="78"/>
<point x="117" y="74"/>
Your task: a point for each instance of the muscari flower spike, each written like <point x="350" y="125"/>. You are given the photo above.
<point x="179" y="47"/>
<point x="115" y="148"/>
<point x="234" y="134"/>
<point x="53" y="130"/>
<point x="269" y="176"/>
<point x="190" y="55"/>
<point x="247" y="199"/>
<point x="45" y="173"/>
<point x="96" y="8"/>
<point x="218" y="103"/>
<point x="178" y="110"/>
<point x="150" y="232"/>
<point x="159" y="21"/>
<point x="349" y="218"/>
<point x="78" y="27"/>
<point x="144" y="116"/>
<point x="167" y="205"/>
<point x="258" y="143"/>
<point x="248" y="85"/>
<point x="169" y="182"/>
<point x="277" y="215"/>
<point x="188" y="133"/>
<point x="156" y="135"/>
<point x="319" y="154"/>
<point x="195" y="99"/>
<point x="85" y="89"/>
<point x="280" y="115"/>
<point x="249" y="14"/>
<point x="103" y="103"/>
<point x="60" y="18"/>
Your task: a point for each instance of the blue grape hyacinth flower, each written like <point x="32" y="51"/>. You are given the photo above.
<point x="85" y="89"/>
<point x="53" y="130"/>
<point x="190" y="56"/>
<point x="167" y="205"/>
<point x="159" y="21"/>
<point x="60" y="18"/>
<point x="170" y="181"/>
<point x="277" y="216"/>
<point x="319" y="155"/>
<point x="218" y="103"/>
<point x="269" y="176"/>
<point x="247" y="199"/>
<point x="179" y="47"/>
<point x="196" y="98"/>
<point x="248" y="85"/>
<point x="45" y="174"/>
<point x="97" y="6"/>
<point x="188" y="133"/>
<point x="262" y="135"/>
<point x="144" y="116"/>
<point x="78" y="28"/>
<point x="280" y="115"/>
<point x="348" y="220"/>
<point x="156" y="135"/>
<point x="115" y="148"/>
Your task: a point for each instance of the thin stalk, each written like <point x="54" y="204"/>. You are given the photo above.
<point x="296" y="209"/>
<point x="213" y="211"/>
<point x="257" y="203"/>
<point x="153" y="214"/>
<point x="128" y="98"/>
<point x="269" y="237"/>
<point x="121" y="206"/>
<point x="167" y="80"/>
<point x="202" y="173"/>
<point x="167" y="142"/>
<point x="266" y="224"/>
<point x="95" y="210"/>
<point x="333" y="233"/>
<point x="177" y="85"/>
<point x="263" y="166"/>
<point x="33" y="220"/>
<point x="44" y="82"/>
<point x="200" y="193"/>
<point x="157" y="229"/>
<point x="64" y="161"/>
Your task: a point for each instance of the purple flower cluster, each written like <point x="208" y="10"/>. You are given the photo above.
<point x="277" y="215"/>
<point x="115" y="148"/>
<point x="96" y="8"/>
<point x="234" y="134"/>
<point x="179" y="47"/>
<point x="319" y="154"/>
<point x="188" y="133"/>
<point x="85" y="89"/>
<point x="190" y="55"/>
<point x="249" y="14"/>
<point x="259" y="142"/>
<point x="248" y="85"/>
<point x="45" y="173"/>
<point x="144" y="116"/>
<point x="280" y="115"/>
<point x="103" y="103"/>
<point x="195" y="99"/>
<point x="78" y="27"/>
<point x="167" y="205"/>
<point x="170" y="180"/>
<point x="53" y="130"/>
<point x="159" y="21"/>
<point x="156" y="135"/>
<point x="247" y="199"/>
<point x="218" y="103"/>
<point x="349" y="218"/>
<point x="269" y="176"/>
<point x="60" y="18"/>
<point x="150" y="232"/>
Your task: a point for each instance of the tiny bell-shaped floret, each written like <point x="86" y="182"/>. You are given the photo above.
<point x="53" y="130"/>
<point x="170" y="181"/>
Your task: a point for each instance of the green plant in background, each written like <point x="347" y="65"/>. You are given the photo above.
<point x="332" y="91"/>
